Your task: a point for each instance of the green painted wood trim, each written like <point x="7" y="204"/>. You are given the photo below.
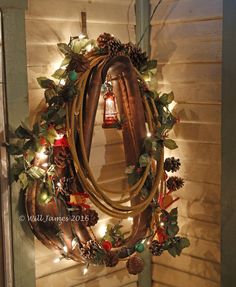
<point x="15" y="82"/>
<point x="19" y="4"/>
<point x="145" y="278"/>
<point x="228" y="194"/>
<point x="142" y="8"/>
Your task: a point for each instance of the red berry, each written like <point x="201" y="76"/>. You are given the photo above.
<point x="42" y="141"/>
<point x="107" y="245"/>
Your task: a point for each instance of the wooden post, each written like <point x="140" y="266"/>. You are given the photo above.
<point x="142" y="8"/>
<point x="143" y="27"/>
<point x="17" y="238"/>
<point x="228" y="195"/>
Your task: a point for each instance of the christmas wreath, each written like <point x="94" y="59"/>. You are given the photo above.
<point x="52" y="157"/>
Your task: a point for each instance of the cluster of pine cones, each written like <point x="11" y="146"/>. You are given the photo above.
<point x="174" y="183"/>
<point x="114" y="47"/>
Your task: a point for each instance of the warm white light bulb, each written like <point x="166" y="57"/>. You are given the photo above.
<point x="74" y="243"/>
<point x="172" y="105"/>
<point x="162" y="224"/>
<point x="149" y="134"/>
<point x="45" y="164"/>
<point x="85" y="271"/>
<point x="57" y="260"/>
<point x="42" y="155"/>
<point x="130" y="219"/>
<point x="89" y="48"/>
<point x="62" y="82"/>
<point x="102" y="230"/>
<point x="81" y="36"/>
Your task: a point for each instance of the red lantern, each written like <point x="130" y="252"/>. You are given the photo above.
<point x="110" y="119"/>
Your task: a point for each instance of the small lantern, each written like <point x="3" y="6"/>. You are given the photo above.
<point x="110" y="119"/>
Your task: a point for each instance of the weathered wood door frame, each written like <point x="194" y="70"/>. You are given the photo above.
<point x="18" y="246"/>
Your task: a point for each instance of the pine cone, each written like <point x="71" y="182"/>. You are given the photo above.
<point x="103" y="40"/>
<point x="89" y="249"/>
<point x="92" y="216"/>
<point x="174" y="183"/>
<point x="172" y="164"/>
<point x="137" y="57"/>
<point x="111" y="259"/>
<point x="135" y="265"/>
<point x="156" y="248"/>
<point x="114" y="47"/>
<point x="78" y="63"/>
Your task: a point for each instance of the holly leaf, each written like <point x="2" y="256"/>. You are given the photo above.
<point x="152" y="64"/>
<point x="36" y="172"/>
<point x="133" y="178"/>
<point x="157" y="154"/>
<point x="23" y="133"/>
<point x="66" y="61"/>
<point x="144" y="160"/>
<point x="172" y="251"/>
<point x="45" y="83"/>
<point x="172" y="230"/>
<point x="167" y="99"/>
<point x="30" y="144"/>
<point x="184" y="242"/>
<point x="59" y="74"/>
<point x="49" y="94"/>
<point x="14" y="149"/>
<point x="170" y="144"/>
<point x="51" y="135"/>
<point x="64" y="48"/>
<point x="23" y="180"/>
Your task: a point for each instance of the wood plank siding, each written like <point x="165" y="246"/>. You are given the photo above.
<point x="186" y="39"/>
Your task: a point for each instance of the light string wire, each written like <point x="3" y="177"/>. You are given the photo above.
<point x="152" y="15"/>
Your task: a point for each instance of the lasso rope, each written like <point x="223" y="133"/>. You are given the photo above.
<point x="98" y="195"/>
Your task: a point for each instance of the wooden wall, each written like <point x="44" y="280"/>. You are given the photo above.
<point x="186" y="39"/>
<point x="48" y="23"/>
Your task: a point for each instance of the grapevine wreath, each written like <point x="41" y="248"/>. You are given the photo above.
<point x="52" y="157"/>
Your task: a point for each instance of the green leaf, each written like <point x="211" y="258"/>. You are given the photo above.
<point x="166" y="99"/>
<point x="66" y="61"/>
<point x="152" y="64"/>
<point x="174" y="212"/>
<point x="23" y="180"/>
<point x="172" y="251"/>
<point x="80" y="45"/>
<point x="157" y="154"/>
<point x="30" y="144"/>
<point x="64" y="48"/>
<point x="14" y="149"/>
<point x="144" y="160"/>
<point x="36" y="129"/>
<point x="45" y="83"/>
<point x="36" y="172"/>
<point x="133" y="178"/>
<point x="172" y="230"/>
<point x="23" y="133"/>
<point x="51" y="135"/>
<point x="49" y="94"/>
<point x="184" y="242"/>
<point x="170" y="144"/>
<point x="59" y="74"/>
